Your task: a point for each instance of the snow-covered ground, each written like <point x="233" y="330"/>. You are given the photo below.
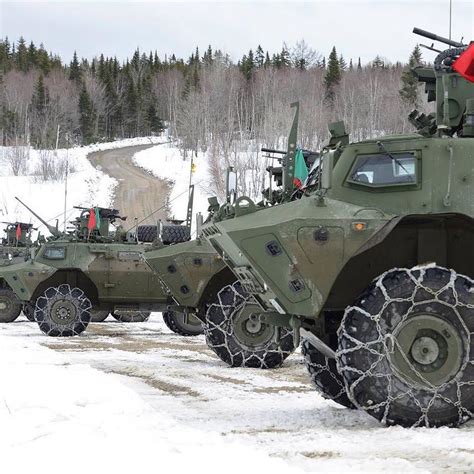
<point x="166" y="162"/>
<point x="86" y="185"/>
<point x="137" y="398"/>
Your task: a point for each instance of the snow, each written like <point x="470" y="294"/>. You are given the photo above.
<point x="86" y="185"/>
<point x="59" y="416"/>
<point x="124" y="397"/>
<point x="165" y="161"/>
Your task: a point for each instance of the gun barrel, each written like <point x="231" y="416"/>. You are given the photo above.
<point x="52" y="229"/>
<point x="269" y="150"/>
<point x="432" y="36"/>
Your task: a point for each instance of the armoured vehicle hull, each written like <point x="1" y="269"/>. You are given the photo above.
<point x="372" y="259"/>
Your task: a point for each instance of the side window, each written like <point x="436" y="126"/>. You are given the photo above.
<point x="54" y="253"/>
<point x="381" y="169"/>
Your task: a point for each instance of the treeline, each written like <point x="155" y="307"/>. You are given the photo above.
<point x="209" y="102"/>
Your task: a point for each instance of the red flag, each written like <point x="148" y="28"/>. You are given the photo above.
<point x="18" y="232"/>
<point x="464" y="65"/>
<point x="92" y="222"/>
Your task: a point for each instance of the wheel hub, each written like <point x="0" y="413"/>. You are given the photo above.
<point x="63" y="312"/>
<point x="427" y="350"/>
<point x="3" y="305"/>
<point x="249" y="330"/>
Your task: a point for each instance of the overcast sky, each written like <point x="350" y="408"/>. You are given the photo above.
<point x="356" y="28"/>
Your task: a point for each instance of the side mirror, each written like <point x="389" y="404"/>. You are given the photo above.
<point x="231" y="185"/>
<point x="328" y="164"/>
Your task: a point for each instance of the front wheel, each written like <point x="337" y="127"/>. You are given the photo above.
<point x="10" y="306"/>
<point x="406" y="351"/>
<point x="234" y="332"/>
<point x="183" y="324"/>
<point x="324" y="375"/>
<point x="131" y="316"/>
<point x="29" y="311"/>
<point x="63" y="311"/>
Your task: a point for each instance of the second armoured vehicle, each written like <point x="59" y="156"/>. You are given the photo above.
<point x="372" y="258"/>
<point x="90" y="272"/>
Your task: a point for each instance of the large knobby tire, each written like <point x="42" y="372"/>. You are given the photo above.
<point x="406" y="350"/>
<point x="147" y="233"/>
<point x="131" y="316"/>
<point x="175" y="234"/>
<point x="324" y="375"/>
<point x="29" y="311"/>
<point x="239" y="339"/>
<point x="184" y="325"/>
<point x="10" y="306"/>
<point x="63" y="311"/>
<point x="98" y="316"/>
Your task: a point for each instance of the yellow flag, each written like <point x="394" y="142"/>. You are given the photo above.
<point x="193" y="168"/>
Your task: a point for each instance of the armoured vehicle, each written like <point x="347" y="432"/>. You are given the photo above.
<point x="14" y="248"/>
<point x="372" y="259"/>
<point x="87" y="273"/>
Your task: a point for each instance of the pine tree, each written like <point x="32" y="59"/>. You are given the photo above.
<point x="333" y="75"/>
<point x="40" y="98"/>
<point x="285" y="59"/>
<point x="32" y="57"/>
<point x="74" y="69"/>
<point x="359" y="65"/>
<point x="267" y="62"/>
<point x="208" y="56"/>
<point x="22" y="55"/>
<point x="259" y="57"/>
<point x="378" y="63"/>
<point x="153" y="121"/>
<point x="409" y="91"/>
<point x="351" y="66"/>
<point x="342" y="63"/>
<point x="87" y="116"/>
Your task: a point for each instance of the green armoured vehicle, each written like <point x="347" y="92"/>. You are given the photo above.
<point x="86" y="274"/>
<point x="14" y="248"/>
<point x="372" y="259"/>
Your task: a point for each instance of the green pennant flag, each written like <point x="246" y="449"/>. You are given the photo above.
<point x="301" y="171"/>
<point x="97" y="218"/>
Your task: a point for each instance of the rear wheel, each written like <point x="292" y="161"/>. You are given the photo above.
<point x="182" y="324"/>
<point x="98" y="316"/>
<point x="131" y="316"/>
<point x="234" y="332"/>
<point x="63" y="311"/>
<point x="324" y="375"/>
<point x="406" y="350"/>
<point x="10" y="306"/>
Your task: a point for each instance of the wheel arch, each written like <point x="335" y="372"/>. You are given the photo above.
<point x="72" y="277"/>
<point x="445" y="239"/>
<point x="222" y="278"/>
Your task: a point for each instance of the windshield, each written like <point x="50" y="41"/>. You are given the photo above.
<point x="384" y="169"/>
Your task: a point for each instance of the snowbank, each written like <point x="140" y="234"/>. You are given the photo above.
<point x="86" y="185"/>
<point x="57" y="416"/>
<point x="165" y="161"/>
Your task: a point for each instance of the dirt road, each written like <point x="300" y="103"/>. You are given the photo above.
<point x="138" y="193"/>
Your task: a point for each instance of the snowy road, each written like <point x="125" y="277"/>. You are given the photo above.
<point x="153" y="390"/>
<point x="138" y="193"/>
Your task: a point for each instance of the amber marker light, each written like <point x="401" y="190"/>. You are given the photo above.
<point x="359" y="226"/>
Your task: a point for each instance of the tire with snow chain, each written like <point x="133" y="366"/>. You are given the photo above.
<point x="10" y="306"/>
<point x="405" y="348"/>
<point x="175" y="234"/>
<point x="98" y="316"/>
<point x="63" y="311"/>
<point x="147" y="233"/>
<point x="238" y="338"/>
<point x="29" y="311"/>
<point x="324" y="375"/>
<point x="184" y="325"/>
<point x="131" y="316"/>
